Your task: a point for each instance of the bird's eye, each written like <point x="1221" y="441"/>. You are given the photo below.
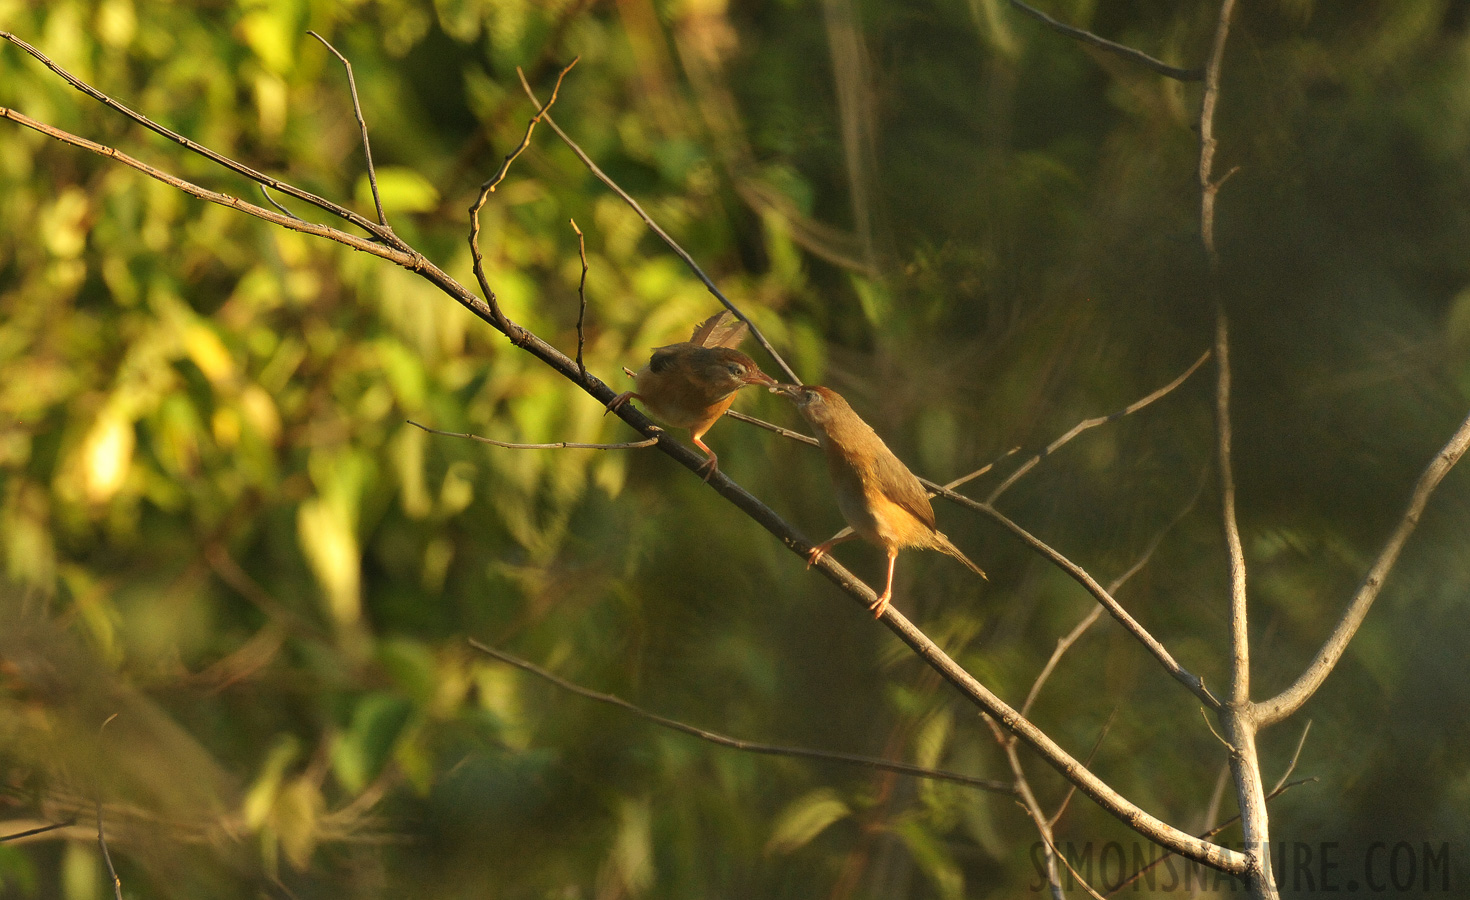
<point x="736" y="369"/>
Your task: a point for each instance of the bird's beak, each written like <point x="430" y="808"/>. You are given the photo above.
<point x="760" y="378"/>
<point x="790" y="390"/>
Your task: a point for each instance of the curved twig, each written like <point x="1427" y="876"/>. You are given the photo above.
<point x="558" y="445"/>
<point x="1126" y="52"/>
<point x="984" y="784"/>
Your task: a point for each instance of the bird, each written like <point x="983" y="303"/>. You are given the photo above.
<point x="692" y="383"/>
<point x="879" y="497"/>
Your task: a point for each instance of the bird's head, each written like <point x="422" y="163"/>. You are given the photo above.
<point x="730" y="369"/>
<point x="819" y="405"/>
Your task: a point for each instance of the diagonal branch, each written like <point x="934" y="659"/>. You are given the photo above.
<point x="985" y="784"/>
<point x="1128" y="53"/>
<point x="1268" y="712"/>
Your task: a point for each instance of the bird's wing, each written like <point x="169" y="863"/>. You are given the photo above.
<point x="719" y="330"/>
<point x="665" y="358"/>
<point x="903" y="487"/>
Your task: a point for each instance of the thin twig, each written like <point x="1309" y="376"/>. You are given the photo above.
<point x="516" y="333"/>
<point x="101" y="839"/>
<point x="1076" y="876"/>
<point x="32" y="832"/>
<point x="1125" y="52"/>
<point x="266" y="193"/>
<point x="559" y="445"/>
<point x="1085" y="424"/>
<point x="1066" y="641"/>
<point x="240" y="168"/>
<point x="367" y="150"/>
<point x="985" y="784"/>
<point x="663" y="235"/>
<point x="1206" y="835"/>
<point x="1295" y="755"/>
<point x="1195" y="684"/>
<point x="1087" y="761"/>
<point x="777" y="429"/>
<point x="581" y="298"/>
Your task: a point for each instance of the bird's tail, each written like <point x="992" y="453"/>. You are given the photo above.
<point x="943" y="543"/>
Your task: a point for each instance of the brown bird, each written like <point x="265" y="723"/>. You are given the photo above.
<point x="691" y="384"/>
<point x="879" y="497"/>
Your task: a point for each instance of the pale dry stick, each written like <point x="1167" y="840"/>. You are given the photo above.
<point x="558" y="445"/>
<point x="367" y="150"/>
<point x="1115" y="804"/>
<point x="1269" y="712"/>
<point x="663" y="235"/>
<point x="1076" y="876"/>
<point x="1126" y="52"/>
<point x="1026" y="798"/>
<point x="340" y="212"/>
<point x="581" y="298"/>
<point x="516" y="333"/>
<point x="1235" y="716"/>
<point x="985" y="784"/>
<point x="1095" y="421"/>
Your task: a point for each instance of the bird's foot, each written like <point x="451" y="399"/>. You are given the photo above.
<point x="881" y="604"/>
<point x="619" y="402"/>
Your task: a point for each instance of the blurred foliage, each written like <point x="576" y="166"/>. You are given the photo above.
<point x="218" y="528"/>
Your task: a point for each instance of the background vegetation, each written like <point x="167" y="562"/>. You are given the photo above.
<point x="217" y="526"/>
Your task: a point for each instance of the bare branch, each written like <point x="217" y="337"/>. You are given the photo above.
<point x="663" y="235"/>
<point x="559" y="445"/>
<point x="1268" y="712"/>
<point x="367" y="150"/>
<point x="1128" y="53"/>
<point x="1085" y="424"/>
<point x="985" y="784"/>
<point x="581" y="298"/>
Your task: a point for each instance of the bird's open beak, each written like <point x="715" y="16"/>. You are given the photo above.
<point x="760" y="378"/>
<point x="789" y="390"/>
